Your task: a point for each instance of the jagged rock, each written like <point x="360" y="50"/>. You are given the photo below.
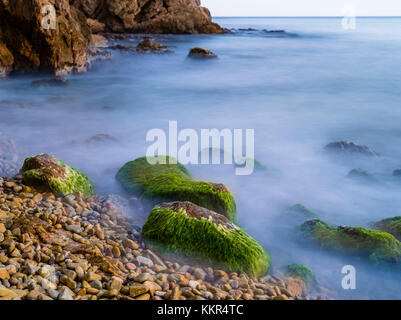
<point x="6" y="60"/>
<point x="95" y="25"/>
<point x="154" y="16"/>
<point x="350" y="148"/>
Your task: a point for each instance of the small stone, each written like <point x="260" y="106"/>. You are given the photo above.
<point x="130" y="244"/>
<point x="4" y="275"/>
<point x="199" y="274"/>
<point x="91" y="276"/>
<point x="65" y="295"/>
<point x="137" y="290"/>
<point x="143" y="277"/>
<point x="144" y="261"/>
<point x="116" y="283"/>
<point x="73" y="228"/>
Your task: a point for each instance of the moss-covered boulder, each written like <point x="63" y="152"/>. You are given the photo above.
<point x="46" y="171"/>
<point x="376" y="245"/>
<point x="298" y="213"/>
<point x="155" y="183"/>
<point x="389" y="225"/>
<point x="186" y="229"/>
<point x="301" y="271"/>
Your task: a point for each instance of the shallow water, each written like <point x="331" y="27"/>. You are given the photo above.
<point x="299" y="89"/>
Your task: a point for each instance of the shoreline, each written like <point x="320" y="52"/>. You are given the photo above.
<point x="69" y="248"/>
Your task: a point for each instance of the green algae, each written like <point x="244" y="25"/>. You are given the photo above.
<point x="378" y="246"/>
<point x="155" y="183"/>
<point x="201" y="239"/>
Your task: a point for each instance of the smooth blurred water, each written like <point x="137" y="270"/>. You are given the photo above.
<point x="299" y="90"/>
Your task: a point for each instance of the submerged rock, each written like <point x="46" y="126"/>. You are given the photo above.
<point x="350" y="148"/>
<point x="46" y="171"/>
<point x="53" y="82"/>
<point x="389" y="225"/>
<point x="158" y="182"/>
<point x="378" y="246"/>
<point x="297" y="214"/>
<point x="301" y="271"/>
<point x="361" y="175"/>
<point x="201" y="53"/>
<point x="187" y="229"/>
<point x="148" y="45"/>
<point x="397" y="173"/>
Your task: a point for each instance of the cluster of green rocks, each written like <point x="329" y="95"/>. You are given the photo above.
<point x="190" y="218"/>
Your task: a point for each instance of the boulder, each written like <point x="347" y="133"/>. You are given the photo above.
<point x="148" y="45"/>
<point x="378" y="246"/>
<point x="184" y="228"/>
<point x="397" y="173"/>
<point x="48" y="172"/>
<point x="350" y="148"/>
<point x="95" y="25"/>
<point x="155" y="183"/>
<point x="201" y="53"/>
<point x="35" y="48"/>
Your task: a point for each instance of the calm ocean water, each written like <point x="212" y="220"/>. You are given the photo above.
<point x="299" y="90"/>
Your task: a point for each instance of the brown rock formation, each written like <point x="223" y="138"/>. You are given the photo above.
<point x="150" y="16"/>
<point x="62" y="49"/>
<point x="25" y="45"/>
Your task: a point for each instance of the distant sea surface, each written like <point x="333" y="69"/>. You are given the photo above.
<point x="300" y="83"/>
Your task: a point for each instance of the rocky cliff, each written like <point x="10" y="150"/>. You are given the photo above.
<point x="26" y="45"/>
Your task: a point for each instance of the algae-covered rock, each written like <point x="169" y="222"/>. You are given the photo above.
<point x="301" y="271"/>
<point x="186" y="229"/>
<point x="389" y="225"/>
<point x="377" y="245"/>
<point x="155" y="183"/>
<point x="46" y="171"/>
<point x="298" y="213"/>
<point x="361" y="175"/>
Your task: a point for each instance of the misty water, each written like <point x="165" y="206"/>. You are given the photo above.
<point x="299" y="90"/>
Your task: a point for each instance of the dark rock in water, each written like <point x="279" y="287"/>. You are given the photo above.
<point x="54" y="82"/>
<point x="274" y="31"/>
<point x="247" y="29"/>
<point x="298" y="214"/>
<point x="123" y="48"/>
<point x="148" y="45"/>
<point x="97" y="140"/>
<point x="378" y="246"/>
<point x="362" y="175"/>
<point x="397" y="173"/>
<point x="350" y="148"/>
<point x="195" y="232"/>
<point x="201" y="53"/>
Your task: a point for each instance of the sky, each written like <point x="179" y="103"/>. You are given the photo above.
<point x="221" y="8"/>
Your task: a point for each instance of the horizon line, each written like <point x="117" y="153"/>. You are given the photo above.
<point x="382" y="16"/>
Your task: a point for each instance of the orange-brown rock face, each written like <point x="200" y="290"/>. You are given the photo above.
<point x="33" y="47"/>
<point x="150" y="16"/>
<point x="26" y="45"/>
